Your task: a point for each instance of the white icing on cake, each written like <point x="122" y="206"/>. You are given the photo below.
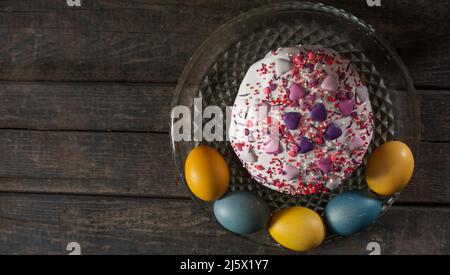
<point x="265" y="99"/>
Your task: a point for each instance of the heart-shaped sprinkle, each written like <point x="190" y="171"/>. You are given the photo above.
<point x="333" y="183"/>
<point x="305" y="145"/>
<point x="356" y="143"/>
<point x="362" y="93"/>
<point x="333" y="131"/>
<point x="273" y="86"/>
<point x="296" y="92"/>
<point x="292" y="120"/>
<point x="319" y="112"/>
<point x="346" y="107"/>
<point x="311" y="97"/>
<point x="330" y="84"/>
<point x="325" y="165"/>
<point x="282" y="66"/>
<point x="272" y="147"/>
<point x="248" y="156"/>
<point x="290" y="172"/>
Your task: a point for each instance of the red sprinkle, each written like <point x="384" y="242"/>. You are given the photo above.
<point x="330" y="60"/>
<point x="331" y="99"/>
<point x="259" y="167"/>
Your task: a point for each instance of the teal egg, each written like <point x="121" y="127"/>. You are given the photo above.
<point x="351" y="212"/>
<point x="242" y="212"/>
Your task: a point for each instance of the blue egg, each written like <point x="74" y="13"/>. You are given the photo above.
<point x="242" y="212"/>
<point x="351" y="212"/>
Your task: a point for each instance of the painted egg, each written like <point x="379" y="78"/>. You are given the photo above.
<point x="390" y="168"/>
<point x="297" y="228"/>
<point x="242" y="212"/>
<point x="351" y="212"/>
<point x="206" y="173"/>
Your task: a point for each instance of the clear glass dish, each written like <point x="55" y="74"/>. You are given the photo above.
<point x="217" y="68"/>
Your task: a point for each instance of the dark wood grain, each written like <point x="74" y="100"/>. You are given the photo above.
<point x="84" y="162"/>
<point x="140" y="164"/>
<point x="44" y="224"/>
<point x="150" y="41"/>
<point x="435" y="115"/>
<point x="140" y="107"/>
<point x="84" y="111"/>
<point x="86" y="106"/>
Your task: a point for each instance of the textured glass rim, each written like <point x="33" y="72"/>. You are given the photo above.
<point x="413" y="109"/>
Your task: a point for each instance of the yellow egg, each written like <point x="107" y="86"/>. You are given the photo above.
<point x="206" y="173"/>
<point x="390" y="168"/>
<point x="297" y="228"/>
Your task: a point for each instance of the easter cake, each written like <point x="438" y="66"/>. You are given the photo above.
<point x="302" y="120"/>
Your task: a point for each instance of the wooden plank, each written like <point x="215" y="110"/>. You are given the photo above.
<point x="84" y="162"/>
<point x="435" y="115"/>
<point x="147" y="41"/>
<point x="139" y="107"/>
<point x="431" y="175"/>
<point x="45" y="224"/>
<point x="86" y="106"/>
<point x="139" y="164"/>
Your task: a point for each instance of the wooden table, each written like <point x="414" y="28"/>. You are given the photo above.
<point x="84" y="109"/>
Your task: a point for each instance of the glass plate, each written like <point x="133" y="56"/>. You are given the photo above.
<point x="217" y="68"/>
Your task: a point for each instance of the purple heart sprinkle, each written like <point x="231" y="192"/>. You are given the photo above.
<point x="273" y="86"/>
<point x="306" y="145"/>
<point x="292" y="120"/>
<point x="319" y="112"/>
<point x="333" y="131"/>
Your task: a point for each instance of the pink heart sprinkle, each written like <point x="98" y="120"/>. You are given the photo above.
<point x="296" y="92"/>
<point x="325" y="165"/>
<point x="273" y="147"/>
<point x="346" y="107"/>
<point x="356" y="143"/>
<point x="290" y="172"/>
<point x="330" y="84"/>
